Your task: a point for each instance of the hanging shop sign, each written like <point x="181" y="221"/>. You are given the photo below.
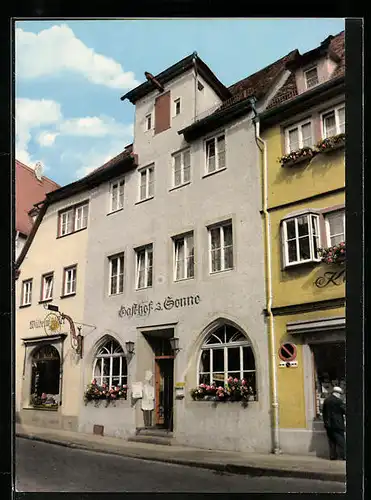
<point x="287" y="351"/>
<point x="330" y="278"/>
<point x="146" y="308"/>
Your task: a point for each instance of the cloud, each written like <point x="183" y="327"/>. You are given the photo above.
<point x="31" y="114"/>
<point x="94" y="126"/>
<point x="47" y="139"/>
<point x="56" y="49"/>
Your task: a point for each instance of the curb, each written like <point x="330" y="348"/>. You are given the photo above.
<point x="252" y="470"/>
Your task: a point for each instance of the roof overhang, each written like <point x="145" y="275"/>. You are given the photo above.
<point x="302" y="102"/>
<point x="177" y="69"/>
<point x="216" y="120"/>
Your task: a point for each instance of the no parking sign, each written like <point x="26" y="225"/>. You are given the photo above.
<point x="287" y="352"/>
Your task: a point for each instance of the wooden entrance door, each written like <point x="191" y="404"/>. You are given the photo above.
<point x="164" y="388"/>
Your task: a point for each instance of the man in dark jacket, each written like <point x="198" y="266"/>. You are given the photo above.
<point x="333" y="412"/>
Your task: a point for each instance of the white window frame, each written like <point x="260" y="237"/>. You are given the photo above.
<point x="327" y="217"/>
<point x="306" y="79"/>
<point x="183" y="168"/>
<point x="69" y="276"/>
<point x="26" y="292"/>
<point x="231" y="344"/>
<point x="217" y="154"/>
<point x="298" y="126"/>
<point x="221" y="228"/>
<point x="44" y="294"/>
<point x="81" y="216"/>
<point x="66" y="218"/>
<point x="149" y="187"/>
<point x="148" y="122"/>
<point x="119" y="185"/>
<point x="185" y="238"/>
<point x="335" y="110"/>
<point x="313" y="257"/>
<point x="148" y="270"/>
<point x="119" y="276"/>
<point x="176" y="102"/>
<point x="110" y="350"/>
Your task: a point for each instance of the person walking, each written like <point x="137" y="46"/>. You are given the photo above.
<point x="333" y="412"/>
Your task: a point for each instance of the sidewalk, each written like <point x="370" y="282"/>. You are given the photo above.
<point x="309" y="467"/>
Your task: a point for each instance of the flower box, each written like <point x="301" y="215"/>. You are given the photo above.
<point x="331" y="143"/>
<point x="297" y="157"/>
<point x="333" y="255"/>
<point x="95" y="393"/>
<point x="234" y="390"/>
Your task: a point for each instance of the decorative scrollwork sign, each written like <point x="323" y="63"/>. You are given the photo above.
<point x="330" y="277"/>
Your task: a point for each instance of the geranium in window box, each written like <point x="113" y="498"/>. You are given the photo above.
<point x="97" y="393"/>
<point x="296" y="157"/>
<point x="334" y="254"/>
<point x="44" y="400"/>
<point x="233" y="390"/>
<point x="331" y="143"/>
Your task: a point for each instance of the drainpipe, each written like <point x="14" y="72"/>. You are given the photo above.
<point x="267" y="236"/>
<point x="195" y="86"/>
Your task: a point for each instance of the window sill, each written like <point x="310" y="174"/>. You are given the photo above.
<point x="115" y="211"/>
<point x="221" y="271"/>
<point x="180" y="186"/>
<point x="115" y="294"/>
<point x="184" y="279"/>
<point x="298" y="264"/>
<point x="40" y="408"/>
<point x="22" y="306"/>
<point x="44" y="301"/>
<point x="298" y="161"/>
<point x="142" y="201"/>
<point x="214" y="172"/>
<point x="143" y="288"/>
<point x="68" y="295"/>
<point x="331" y="149"/>
<point x="73" y="232"/>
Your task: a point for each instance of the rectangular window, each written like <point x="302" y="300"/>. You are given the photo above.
<point x="73" y="219"/>
<point x="47" y="286"/>
<point x="215" y="154"/>
<point x="183" y="257"/>
<point x="116" y="274"/>
<point x="26" y="292"/>
<point x="298" y="136"/>
<point x="333" y="122"/>
<point x="147" y="181"/>
<point x="181" y="168"/>
<point x="144" y="265"/>
<point x="117" y="195"/>
<point x="149" y="122"/>
<point x="69" y="280"/>
<point x="81" y="217"/>
<point x="301" y="239"/>
<point x="335" y="227"/>
<point x="221" y="247"/>
<point x="177" y="107"/>
<point x="311" y="77"/>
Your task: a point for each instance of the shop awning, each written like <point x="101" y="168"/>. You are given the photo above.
<point x="316" y="325"/>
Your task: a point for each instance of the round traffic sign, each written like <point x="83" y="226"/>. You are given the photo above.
<point x="287" y="351"/>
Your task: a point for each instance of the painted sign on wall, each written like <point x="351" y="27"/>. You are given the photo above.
<point x="330" y="277"/>
<point x="146" y="308"/>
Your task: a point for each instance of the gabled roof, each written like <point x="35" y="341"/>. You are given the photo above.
<point x="175" y="70"/>
<point x="333" y="45"/>
<point x="254" y="86"/>
<point x="28" y="191"/>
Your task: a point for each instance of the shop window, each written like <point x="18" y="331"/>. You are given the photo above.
<point x="329" y="371"/>
<point x="225" y="353"/>
<point x="45" y="377"/>
<point x="110" y="365"/>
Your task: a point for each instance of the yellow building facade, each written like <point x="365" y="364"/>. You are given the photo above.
<point x="304" y="220"/>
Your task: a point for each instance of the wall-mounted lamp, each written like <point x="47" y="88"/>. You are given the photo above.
<point x="174" y="344"/>
<point x="130" y="347"/>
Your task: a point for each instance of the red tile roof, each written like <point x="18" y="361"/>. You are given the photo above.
<point x="113" y="161"/>
<point x="28" y="190"/>
<point x="289" y="89"/>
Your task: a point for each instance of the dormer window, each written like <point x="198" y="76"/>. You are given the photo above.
<point x="311" y="77"/>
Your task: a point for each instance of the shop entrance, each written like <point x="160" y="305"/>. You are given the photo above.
<point x="163" y="377"/>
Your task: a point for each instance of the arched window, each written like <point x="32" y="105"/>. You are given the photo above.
<point x="110" y="364"/>
<point x="225" y="353"/>
<point x="45" y="373"/>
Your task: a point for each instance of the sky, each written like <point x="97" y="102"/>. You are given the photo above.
<point x="70" y="75"/>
